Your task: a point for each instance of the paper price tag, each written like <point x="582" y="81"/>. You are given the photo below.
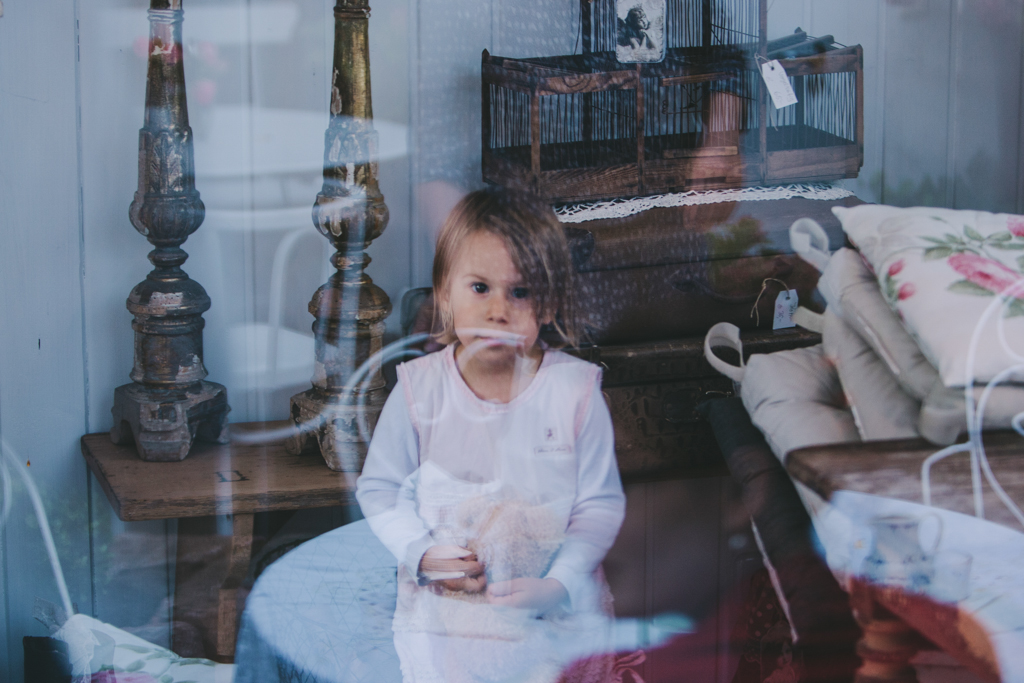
<point x="785" y="306"/>
<point x="778" y="84"/>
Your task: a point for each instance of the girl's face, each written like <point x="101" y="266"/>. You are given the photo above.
<point x="492" y="307"/>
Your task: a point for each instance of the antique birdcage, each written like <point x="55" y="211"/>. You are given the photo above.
<point x="580" y="127"/>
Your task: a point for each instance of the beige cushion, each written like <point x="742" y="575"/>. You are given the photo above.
<point x="880" y="407"/>
<point x="853" y="294"/>
<point x="795" y="399"/>
<point x="943" y="272"/>
<point x="851" y="291"/>
<point x="944" y="411"/>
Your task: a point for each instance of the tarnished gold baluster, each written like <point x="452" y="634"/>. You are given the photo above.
<point x="168" y="402"/>
<point x="350" y="212"/>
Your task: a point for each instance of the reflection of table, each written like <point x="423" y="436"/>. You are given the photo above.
<point x="217" y="480"/>
<point x="893" y="469"/>
<point x="323" y="613"/>
<point x="984" y="632"/>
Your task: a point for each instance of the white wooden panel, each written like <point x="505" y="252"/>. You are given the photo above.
<point x="859" y="23"/>
<point x="784" y="16"/>
<point x="985" y="105"/>
<point x="130" y="560"/>
<point x="389" y="63"/>
<point x="225" y="261"/>
<point x="536" y="28"/>
<point x="1020" y="147"/>
<point x="113" y="82"/>
<point x="450" y="35"/>
<point x="865" y="25"/>
<point x="917" y="99"/>
<point x="42" y="393"/>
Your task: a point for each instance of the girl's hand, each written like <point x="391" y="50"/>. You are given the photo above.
<point x="537" y="594"/>
<point x="454" y="568"/>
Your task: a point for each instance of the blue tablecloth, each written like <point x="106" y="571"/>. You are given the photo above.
<point x="322" y="613"/>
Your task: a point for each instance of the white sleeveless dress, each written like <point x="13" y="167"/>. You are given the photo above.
<point x="439" y="450"/>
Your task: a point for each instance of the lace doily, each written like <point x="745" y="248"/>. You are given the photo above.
<point x="620" y="208"/>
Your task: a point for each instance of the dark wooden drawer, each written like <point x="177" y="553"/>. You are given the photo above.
<point x="652" y="390"/>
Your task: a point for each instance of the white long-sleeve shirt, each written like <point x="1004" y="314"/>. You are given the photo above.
<point x="437" y="444"/>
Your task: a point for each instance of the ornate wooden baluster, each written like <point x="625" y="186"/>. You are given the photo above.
<point x="350" y="212"/>
<point x="888" y="643"/>
<point x="169" y="402"/>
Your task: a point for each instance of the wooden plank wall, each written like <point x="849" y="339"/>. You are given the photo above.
<point x="943" y="91"/>
<point x="72" y="84"/>
<point x="943" y="126"/>
<point x="42" y="379"/>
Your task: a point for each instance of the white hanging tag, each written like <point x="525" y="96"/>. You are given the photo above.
<point x="778" y="84"/>
<point x="785" y="306"/>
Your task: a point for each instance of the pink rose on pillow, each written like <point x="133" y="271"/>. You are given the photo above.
<point x="986" y="273"/>
<point x="906" y="290"/>
<point x="1015" y="224"/>
<point x="867" y="263"/>
<point x="895" y="268"/>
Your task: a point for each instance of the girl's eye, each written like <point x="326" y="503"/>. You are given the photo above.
<point x="479" y="287"/>
<point x="520" y="292"/>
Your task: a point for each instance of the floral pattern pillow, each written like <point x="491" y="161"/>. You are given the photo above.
<point x="946" y="274"/>
<point x="101" y="653"/>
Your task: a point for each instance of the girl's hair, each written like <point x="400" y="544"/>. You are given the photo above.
<point x="535" y="242"/>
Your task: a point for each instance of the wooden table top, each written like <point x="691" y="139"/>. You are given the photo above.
<point x="215" y="479"/>
<point x="893" y="469"/>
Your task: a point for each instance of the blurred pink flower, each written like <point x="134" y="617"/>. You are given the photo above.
<point x="1015" y="224"/>
<point x="895" y="268"/>
<point x="141" y="47"/>
<point x="984" y="272"/>
<point x="108" y="676"/>
<point x="867" y="263"/>
<point x="205" y="91"/>
<point x="906" y="291"/>
<point x="210" y="54"/>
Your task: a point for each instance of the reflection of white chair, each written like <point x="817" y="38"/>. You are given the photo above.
<point x="269" y="361"/>
<point x="264" y="158"/>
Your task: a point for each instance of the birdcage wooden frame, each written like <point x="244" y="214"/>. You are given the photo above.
<point x="582" y="127"/>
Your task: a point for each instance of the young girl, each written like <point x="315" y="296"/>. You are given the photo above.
<point x="491" y="475"/>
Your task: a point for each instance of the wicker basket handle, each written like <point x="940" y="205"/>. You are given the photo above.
<point x="810" y="242"/>
<point x="725" y="334"/>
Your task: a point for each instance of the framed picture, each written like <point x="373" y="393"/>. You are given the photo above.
<point x="640" y="30"/>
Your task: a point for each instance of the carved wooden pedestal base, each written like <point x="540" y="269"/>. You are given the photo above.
<point x="887" y="647"/>
<point x="888" y="643"/>
<point x="349" y="309"/>
<point x="169" y="403"/>
<point x="336" y="427"/>
<point x="164" y="424"/>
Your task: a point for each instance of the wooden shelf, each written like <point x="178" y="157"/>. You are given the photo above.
<point x="215" y="479"/>
<point x="893" y="469"/>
